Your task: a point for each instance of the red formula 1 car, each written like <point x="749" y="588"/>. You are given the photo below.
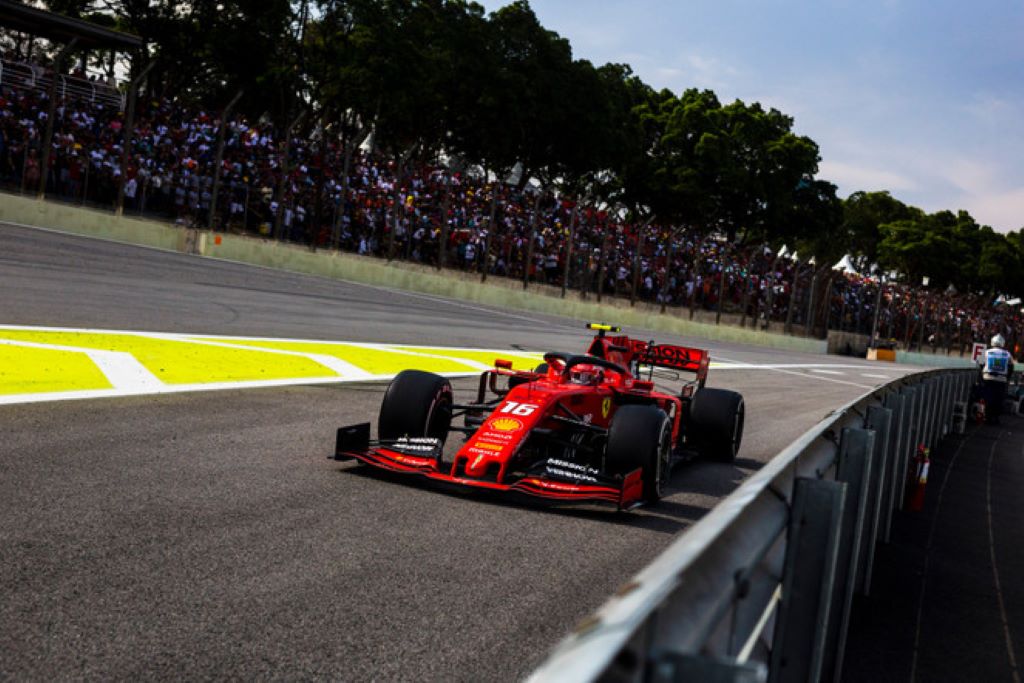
<point x="580" y="427"/>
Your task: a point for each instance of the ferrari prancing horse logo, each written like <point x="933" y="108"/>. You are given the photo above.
<point x="606" y="407"/>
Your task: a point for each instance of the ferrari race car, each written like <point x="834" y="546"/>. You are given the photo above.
<point x="579" y="428"/>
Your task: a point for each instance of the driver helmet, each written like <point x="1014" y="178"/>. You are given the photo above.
<point x="998" y="341"/>
<point x="585" y="374"/>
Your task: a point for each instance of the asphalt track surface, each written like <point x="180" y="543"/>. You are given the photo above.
<point x="947" y="598"/>
<point x="207" y="535"/>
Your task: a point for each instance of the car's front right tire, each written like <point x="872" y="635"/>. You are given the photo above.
<point x="641" y="436"/>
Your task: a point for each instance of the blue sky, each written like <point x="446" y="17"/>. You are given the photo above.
<point x="924" y="99"/>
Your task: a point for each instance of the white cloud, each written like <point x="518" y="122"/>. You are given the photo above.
<point x="1004" y="211"/>
<point x="851" y="177"/>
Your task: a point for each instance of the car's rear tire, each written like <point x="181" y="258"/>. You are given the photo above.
<point x="416" y="404"/>
<point x="714" y="426"/>
<point x="641" y="436"/>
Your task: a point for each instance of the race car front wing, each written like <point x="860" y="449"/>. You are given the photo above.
<point x="552" y="480"/>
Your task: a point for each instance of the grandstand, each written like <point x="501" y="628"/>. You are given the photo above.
<point x="442" y="216"/>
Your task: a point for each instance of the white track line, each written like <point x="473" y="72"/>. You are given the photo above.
<point x="122" y="369"/>
<point x="335" y="365"/>
<point x="823" y="379"/>
<point x="735" y="365"/>
<point x="828" y="372"/>
<point x="995" y="569"/>
<point x="11" y="399"/>
<point x="192" y="336"/>
<point x="928" y="554"/>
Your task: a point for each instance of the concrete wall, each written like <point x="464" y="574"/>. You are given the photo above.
<point x="848" y="343"/>
<point x="933" y="360"/>
<point x="499" y="292"/>
<point x="80" y="221"/>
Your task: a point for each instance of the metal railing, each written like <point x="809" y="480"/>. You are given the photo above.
<point x="34" y="78"/>
<point x="761" y="588"/>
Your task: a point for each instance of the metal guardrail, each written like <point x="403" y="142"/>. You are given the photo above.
<point x="761" y="588"/>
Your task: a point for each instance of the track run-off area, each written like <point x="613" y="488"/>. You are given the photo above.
<point x="157" y="530"/>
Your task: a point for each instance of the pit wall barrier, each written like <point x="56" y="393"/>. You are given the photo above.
<point x="761" y="587"/>
<point x="497" y="291"/>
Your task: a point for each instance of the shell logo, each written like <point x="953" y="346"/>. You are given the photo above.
<point x="506" y="424"/>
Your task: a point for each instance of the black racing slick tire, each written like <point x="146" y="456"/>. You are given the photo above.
<point x="416" y="404"/>
<point x="641" y="436"/>
<point x="715" y="424"/>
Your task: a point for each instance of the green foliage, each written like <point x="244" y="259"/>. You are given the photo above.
<point x="206" y="50"/>
<point x="952" y="249"/>
<point x="917" y="248"/>
<point x="863" y="215"/>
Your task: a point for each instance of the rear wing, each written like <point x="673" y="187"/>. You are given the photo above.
<point x="627" y="351"/>
<point x="670" y="356"/>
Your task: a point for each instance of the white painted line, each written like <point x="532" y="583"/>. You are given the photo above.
<point x="191" y="336"/>
<point x="463" y="361"/>
<point x="995" y="567"/>
<point x="335" y="365"/>
<point x="755" y="635"/>
<point x="928" y="555"/>
<point x="823" y="379"/>
<point x="865" y="374"/>
<point x="11" y="399"/>
<point x="828" y="372"/>
<point x="392" y="347"/>
<point x="730" y="365"/>
<point x="124" y="371"/>
<point x="49" y="347"/>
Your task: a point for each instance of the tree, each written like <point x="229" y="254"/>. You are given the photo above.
<point x="918" y="248"/>
<point x="863" y="215"/>
<point x="207" y="50"/>
<point x="1000" y="265"/>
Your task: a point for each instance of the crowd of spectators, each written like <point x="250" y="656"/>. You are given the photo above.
<point x="438" y="213"/>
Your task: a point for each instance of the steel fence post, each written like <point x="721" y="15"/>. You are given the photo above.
<point x="47" y="142"/>
<point x="930" y="414"/>
<point x="923" y="404"/>
<point x="129" y="133"/>
<point x="943" y="389"/>
<point x="879" y="420"/>
<point x="947" y="412"/>
<point x="219" y="158"/>
<point x="926" y="411"/>
<point x="896" y="402"/>
<point x="854" y="469"/>
<point x="908" y="437"/>
<point x="808" y="581"/>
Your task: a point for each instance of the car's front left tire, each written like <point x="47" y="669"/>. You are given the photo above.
<point x="416" y="404"/>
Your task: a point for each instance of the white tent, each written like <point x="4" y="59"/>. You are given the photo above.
<point x="846" y="265"/>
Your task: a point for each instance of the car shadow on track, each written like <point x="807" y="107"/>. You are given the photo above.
<point x="667" y="516"/>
